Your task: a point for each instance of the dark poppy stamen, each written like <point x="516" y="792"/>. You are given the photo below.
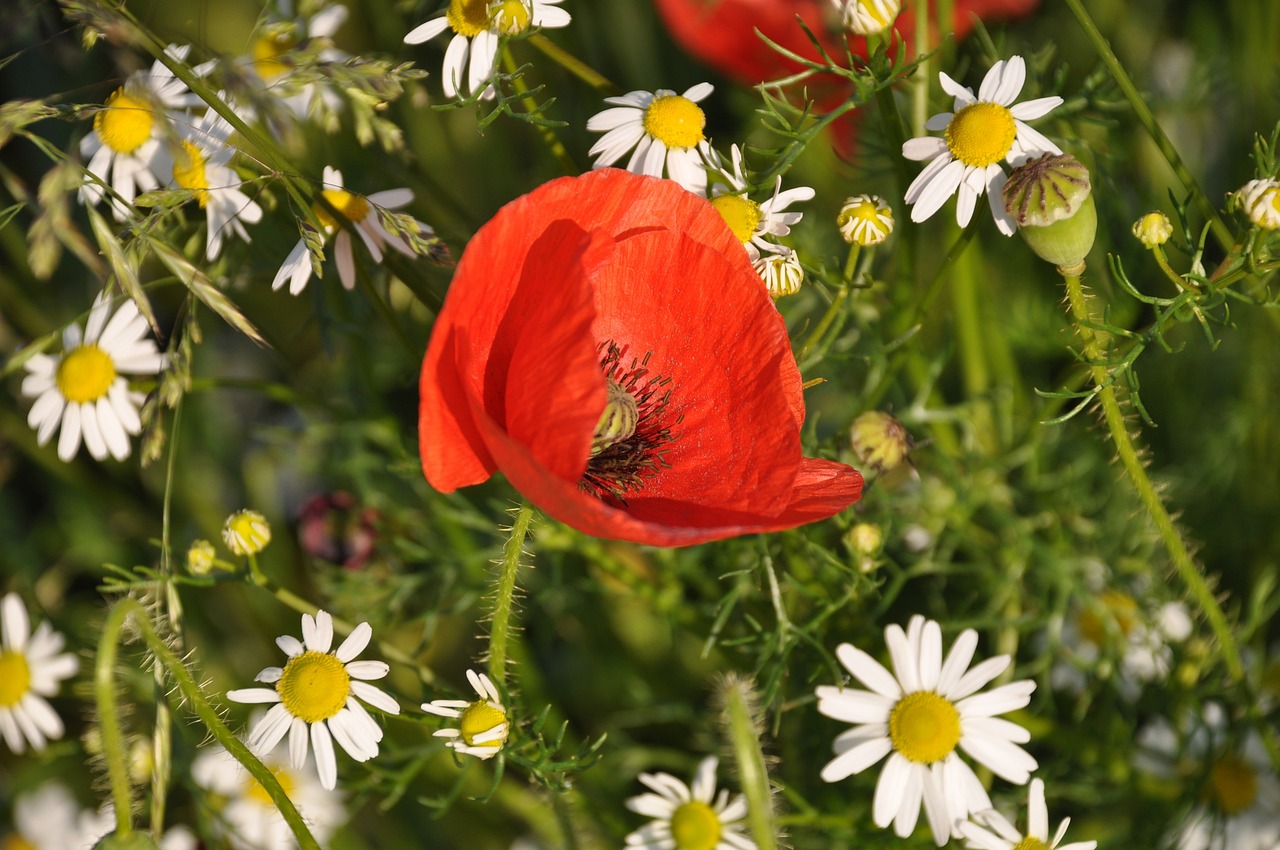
<point x="622" y="458"/>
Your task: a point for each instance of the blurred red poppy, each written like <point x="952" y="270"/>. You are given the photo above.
<point x="607" y="346"/>
<point x="722" y="33"/>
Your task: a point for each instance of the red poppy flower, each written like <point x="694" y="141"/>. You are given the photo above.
<point x="722" y="33"/>
<point x="608" y="347"/>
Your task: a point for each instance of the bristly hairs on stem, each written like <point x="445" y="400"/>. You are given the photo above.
<point x="504" y="594"/>
<point x="740" y="713"/>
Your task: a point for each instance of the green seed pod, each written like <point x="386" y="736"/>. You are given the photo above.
<point x="1051" y="200"/>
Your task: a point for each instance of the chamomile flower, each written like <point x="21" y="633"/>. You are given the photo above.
<point x="198" y="162"/>
<point x="663" y="131"/>
<point x="754" y="223"/>
<point x="32" y="666"/>
<point x="245" y="814"/>
<point x="84" y="391"/>
<point x="285" y="42"/>
<point x="1260" y="200"/>
<point x="865" y="219"/>
<point x="128" y="132"/>
<point x="689" y="816"/>
<point x="361" y="211"/>
<point x="981" y="132"/>
<point x="991" y="830"/>
<point x="246" y="532"/>
<point x="47" y="818"/>
<point x="317" y="694"/>
<point x="868" y="17"/>
<point x="782" y="274"/>
<point x="920" y="716"/>
<point x="482" y="725"/>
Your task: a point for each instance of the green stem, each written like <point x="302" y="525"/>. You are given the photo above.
<point x="740" y="717"/>
<point x="1145" y="117"/>
<point x="573" y="64"/>
<point x="548" y="135"/>
<point x="1132" y="463"/>
<point x="341" y="626"/>
<point x="198" y="702"/>
<point x="503" y="603"/>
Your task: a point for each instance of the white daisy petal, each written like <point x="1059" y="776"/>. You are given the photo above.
<point x="326" y="763"/>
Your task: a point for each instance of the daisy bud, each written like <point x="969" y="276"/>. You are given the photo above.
<point x="879" y="440"/>
<point x="1260" y="200"/>
<point x="868" y="17"/>
<point x="200" y="558"/>
<point x="246" y="532"/>
<point x="1153" y="229"/>
<point x="1051" y="200"/>
<point x="865" y="540"/>
<point x="865" y="219"/>
<point x="782" y="273"/>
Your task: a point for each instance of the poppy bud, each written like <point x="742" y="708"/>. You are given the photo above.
<point x="1051" y="200"/>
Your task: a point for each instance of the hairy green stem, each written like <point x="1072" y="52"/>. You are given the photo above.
<point x="504" y="599"/>
<point x="744" y="735"/>
<point x="1137" y="473"/>
<point x="1145" y="117"/>
<point x="112" y="743"/>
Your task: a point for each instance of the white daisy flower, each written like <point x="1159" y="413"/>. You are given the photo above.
<point x="1232" y="775"/>
<point x="47" y="818"/>
<point x="867" y="17"/>
<point x="1113" y="636"/>
<point x="127" y="135"/>
<point x="782" y="274"/>
<point x="198" y="162"/>
<point x="687" y="816"/>
<point x="246" y="815"/>
<point x="246" y="532"/>
<point x="476" y="27"/>
<point x="865" y="219"/>
<point x="483" y="726"/>
<point x="84" y="389"/>
<point x="360" y="210"/>
<point x="754" y="223"/>
<point x="1260" y="200"/>
<point x="981" y="132"/>
<point x="32" y="666"/>
<point x="919" y="716"/>
<point x="990" y="830"/>
<point x="318" y="693"/>
<point x="663" y="128"/>
<point x="278" y="37"/>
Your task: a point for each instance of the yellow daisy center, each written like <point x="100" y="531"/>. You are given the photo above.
<point x="189" y="173"/>
<point x="675" y="121"/>
<point x="1031" y="843"/>
<point x="314" y="686"/>
<point x="268" y="49"/>
<point x="15" y="678"/>
<point x="740" y="213"/>
<point x="353" y="207"/>
<point x="981" y="134"/>
<point x="1117" y="608"/>
<point x="85" y="374"/>
<point x="695" y="826"/>
<point x="125" y="122"/>
<point x="924" y="727"/>
<point x="15" y="842"/>
<point x="1233" y="784"/>
<point x="246" y="532"/>
<point x="468" y="17"/>
<point x="254" y="790"/>
<point x="1273" y="194"/>
<point x="509" y="16"/>
<point x="479" y="718"/>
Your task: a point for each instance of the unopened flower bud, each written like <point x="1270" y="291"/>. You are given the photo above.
<point x="1260" y="200"/>
<point x="868" y="17"/>
<point x="1050" y="198"/>
<point x="246" y="532"/>
<point x="865" y="540"/>
<point x="618" y="421"/>
<point x="1153" y="229"/>
<point x="879" y="440"/>
<point x="201" y="558"/>
<point x="782" y="273"/>
<point x="865" y="219"/>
